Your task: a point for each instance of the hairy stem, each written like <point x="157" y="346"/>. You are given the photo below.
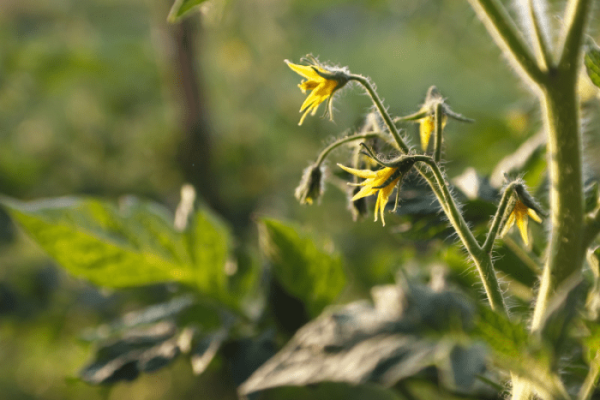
<point x="504" y="31"/>
<point x="543" y="53"/>
<point x="342" y="141"/>
<point x="482" y="260"/>
<point x="382" y="111"/>
<point x="439" y="129"/>
<point x="576" y="18"/>
<point x="493" y="232"/>
<point x="565" y="256"/>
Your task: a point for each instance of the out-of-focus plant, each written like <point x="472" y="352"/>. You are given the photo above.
<point x="415" y="340"/>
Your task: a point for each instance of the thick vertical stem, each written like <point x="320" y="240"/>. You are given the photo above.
<point x="561" y="116"/>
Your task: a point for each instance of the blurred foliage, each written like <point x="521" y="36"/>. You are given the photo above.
<point x="91" y="104"/>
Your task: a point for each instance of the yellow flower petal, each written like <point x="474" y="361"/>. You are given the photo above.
<point x="371" y="185"/>
<point x="382" y="199"/>
<point x="427" y="125"/>
<point x="361" y="173"/>
<point x="522" y="224"/>
<point x="509" y="223"/>
<point x="534" y="216"/>
<point x="306" y="71"/>
<point x="321" y="89"/>
<point x="520" y="214"/>
<point x="364" y="192"/>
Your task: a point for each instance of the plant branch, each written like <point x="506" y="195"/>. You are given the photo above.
<point x="482" y="260"/>
<point x="543" y="53"/>
<point x="562" y="124"/>
<point x="340" y="142"/>
<point x="504" y="31"/>
<point x="382" y="111"/>
<point x="496" y="222"/>
<point x="439" y="187"/>
<point x="576" y="17"/>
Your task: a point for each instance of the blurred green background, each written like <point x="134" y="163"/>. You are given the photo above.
<point x="105" y="98"/>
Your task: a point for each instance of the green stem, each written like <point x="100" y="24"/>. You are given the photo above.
<point x="504" y="31"/>
<point x="342" y="141"/>
<point x="382" y="111"/>
<point x="439" y="128"/>
<point x="576" y="18"/>
<point x="565" y="255"/>
<point x="496" y="222"/>
<point x="482" y="260"/>
<point x="543" y="53"/>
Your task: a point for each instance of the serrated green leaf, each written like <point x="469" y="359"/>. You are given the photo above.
<point x="134" y="244"/>
<point x="304" y="270"/>
<point x="181" y="7"/>
<point x="592" y="63"/>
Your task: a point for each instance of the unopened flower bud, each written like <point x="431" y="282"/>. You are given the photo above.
<point x="311" y="185"/>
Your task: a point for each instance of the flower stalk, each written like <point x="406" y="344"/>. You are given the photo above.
<point x="387" y="119"/>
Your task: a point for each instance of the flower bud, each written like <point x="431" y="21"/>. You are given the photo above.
<point x="311" y="185"/>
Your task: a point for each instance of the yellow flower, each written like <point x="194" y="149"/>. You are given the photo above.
<point x="426" y="128"/>
<point x="321" y="82"/>
<point x="374" y="183"/>
<point x="519" y="214"/>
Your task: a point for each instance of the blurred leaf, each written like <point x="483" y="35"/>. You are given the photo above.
<point x="139" y="351"/>
<point x="592" y="341"/>
<point x="246" y="355"/>
<point x="361" y="343"/>
<point x="516" y="263"/>
<point x="562" y="308"/>
<point x="592" y="196"/>
<point x="133" y="245"/>
<point x="206" y="349"/>
<point x="306" y="271"/>
<point x="332" y="391"/>
<point x="513" y="351"/>
<point x="184" y="310"/>
<point x="355" y="344"/>
<point x="182" y="7"/>
<point x="528" y="160"/>
<point x="466" y="364"/>
<point x="437" y="310"/>
<point x="592" y="62"/>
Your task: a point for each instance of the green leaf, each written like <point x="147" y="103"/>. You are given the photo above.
<point x="306" y="271"/>
<point x="182" y="7"/>
<point x="592" y="63"/>
<point x="513" y="351"/>
<point x="134" y="244"/>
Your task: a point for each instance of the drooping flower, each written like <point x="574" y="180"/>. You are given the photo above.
<point x="520" y="214"/>
<point x="321" y="81"/>
<point x="381" y="182"/>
